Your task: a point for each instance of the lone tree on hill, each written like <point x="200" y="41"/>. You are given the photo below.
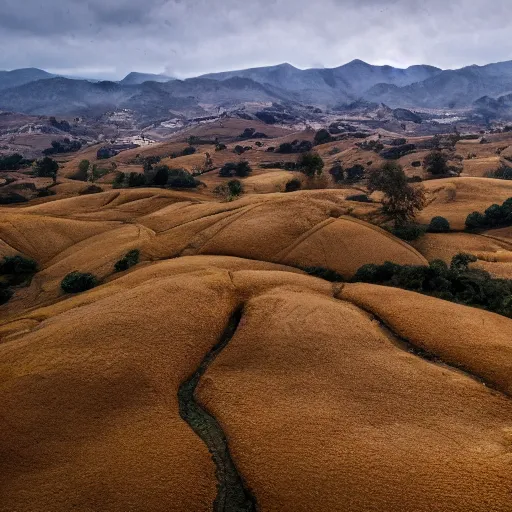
<point x="310" y="164"/>
<point x="436" y="163"/>
<point x="401" y="200"/>
<point x="47" y="168"/>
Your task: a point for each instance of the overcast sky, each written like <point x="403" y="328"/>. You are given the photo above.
<point x="183" y="38"/>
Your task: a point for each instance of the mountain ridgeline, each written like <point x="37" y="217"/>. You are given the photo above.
<point x="485" y="88"/>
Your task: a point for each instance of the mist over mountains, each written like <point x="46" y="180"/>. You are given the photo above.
<point x="35" y="91"/>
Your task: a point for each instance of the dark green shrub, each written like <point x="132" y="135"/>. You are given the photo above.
<point x="360" y="198"/>
<point x="324" y="273"/>
<point x="495" y="216"/>
<point x="355" y="173"/>
<point x="293" y="185"/>
<point x="13" y="162"/>
<point x="220" y="147"/>
<point x="136" y="180"/>
<point x="77" y="282"/>
<point x="187" y="181"/>
<point x="461" y="261"/>
<point x="243" y="169"/>
<point x="366" y="274"/>
<point x="337" y="172"/>
<point x="161" y="177"/>
<point x="439" y="225"/>
<point x="475" y="220"/>
<point x="5" y="295"/>
<point x="235" y="188"/>
<point x="129" y="260"/>
<point x="119" y="180"/>
<point x="322" y="137"/>
<point x="240" y="169"/>
<point x="436" y="163"/>
<point x="408" y="232"/>
<point x="239" y="150"/>
<point x="47" y="168"/>
<point x="503" y="173"/>
<point x="18" y="265"/>
<point x="190" y="150"/>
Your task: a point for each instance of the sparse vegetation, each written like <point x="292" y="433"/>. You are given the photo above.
<point x="408" y="232"/>
<point x="129" y="260"/>
<point x="77" y="282"/>
<point x="230" y="190"/>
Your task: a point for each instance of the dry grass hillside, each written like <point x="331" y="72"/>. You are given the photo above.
<point x="242" y="361"/>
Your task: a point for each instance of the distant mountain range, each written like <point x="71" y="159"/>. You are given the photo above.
<point x="35" y="91"/>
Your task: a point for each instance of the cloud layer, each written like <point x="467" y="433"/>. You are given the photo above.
<point x="190" y="37"/>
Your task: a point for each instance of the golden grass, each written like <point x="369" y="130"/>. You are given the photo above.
<point x="324" y="412"/>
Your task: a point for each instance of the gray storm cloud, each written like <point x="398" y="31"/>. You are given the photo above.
<point x="109" y="38"/>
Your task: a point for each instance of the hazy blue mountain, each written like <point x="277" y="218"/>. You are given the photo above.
<point x="62" y="96"/>
<point x="135" y="78"/>
<point x="330" y="86"/>
<point x="450" y="88"/>
<point x="18" y="77"/>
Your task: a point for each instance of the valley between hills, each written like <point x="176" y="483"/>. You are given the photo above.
<point x="236" y="315"/>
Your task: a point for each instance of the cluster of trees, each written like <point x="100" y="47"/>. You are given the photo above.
<point x="456" y="283"/>
<point x="163" y="177"/>
<point x="297" y="146"/>
<point x="496" y="216"/>
<point x="352" y="174"/>
<point x="251" y="133"/>
<point x="66" y="146"/>
<point x="240" y="169"/>
<point x="14" y="271"/>
<point x="14" y="162"/>
<point x="503" y="173"/>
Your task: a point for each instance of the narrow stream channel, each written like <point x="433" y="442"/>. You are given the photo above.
<point x="232" y="494"/>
